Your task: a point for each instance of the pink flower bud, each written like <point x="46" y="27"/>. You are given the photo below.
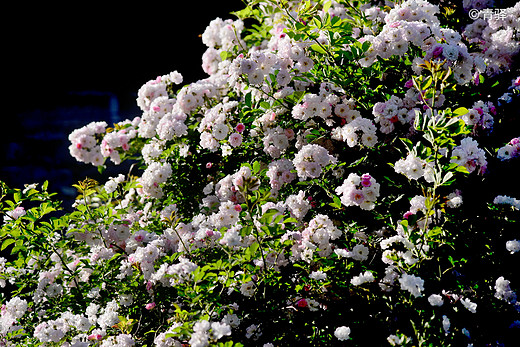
<point x="302" y="303"/>
<point x="240" y="127"/>
<point x="408" y="214"/>
<point x="150" y="306"/>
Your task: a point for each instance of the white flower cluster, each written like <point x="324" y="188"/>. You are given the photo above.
<point x="436" y="300"/>
<point x="342" y="333"/>
<point x="398" y="111"/>
<point x="84" y="146"/>
<point x="115" y="141"/>
<point x="358" y="131"/>
<point x="113" y="182"/>
<point x="279" y="173"/>
<point x="220" y="36"/>
<point x="510" y="150"/>
<point x="315" y="237"/>
<point x="362" y="278"/>
<point x="415" y="22"/>
<point x="11" y="312"/>
<point x="503" y="290"/>
<point x="495" y="36"/>
<point x="310" y="161"/>
<point x="161" y="114"/>
<point x="54" y="330"/>
<point x="276" y="141"/>
<point x="204" y="330"/>
<point x="412" y="283"/>
<point x="361" y="191"/>
<point x="469" y="305"/>
<point x="409" y="22"/>
<point x="281" y="57"/>
<point x="481" y="115"/>
<point x="14" y="214"/>
<point x="298" y="205"/>
<point x="213" y="127"/>
<point x="469" y="155"/>
<point x="315" y="106"/>
<point x="513" y="246"/>
<point x="359" y="252"/>
<point x="507" y="200"/>
<point x="154" y="175"/>
<point x="414" y="168"/>
<point x="390" y="256"/>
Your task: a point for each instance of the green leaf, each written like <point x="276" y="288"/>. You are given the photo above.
<point x="326" y="6"/>
<point x="318" y="48"/>
<point x="336" y="203"/>
<point x="435" y="231"/>
<point x="7" y="243"/>
<point x="460" y="111"/>
<point x="224" y="55"/>
<point x="256" y="167"/>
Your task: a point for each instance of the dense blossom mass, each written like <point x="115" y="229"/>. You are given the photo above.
<point x="341" y="177"/>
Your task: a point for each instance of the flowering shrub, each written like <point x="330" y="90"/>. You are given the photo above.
<point x="327" y="184"/>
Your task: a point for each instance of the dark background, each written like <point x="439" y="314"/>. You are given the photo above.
<point x="65" y="67"/>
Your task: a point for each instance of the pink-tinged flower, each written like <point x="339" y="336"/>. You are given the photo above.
<point x="149" y="285"/>
<point x="289" y="133"/>
<point x="210" y="233"/>
<point x="150" y="306"/>
<point x="16" y="213"/>
<point x="287" y="176"/>
<point x="357" y="196"/>
<point x="408" y="214"/>
<point x="366" y="183"/>
<point x="514" y="141"/>
<point x="394" y="25"/>
<point x="302" y="303"/>
<point x="240" y="127"/>
<point x="238" y="208"/>
<point x="517" y="81"/>
<point x="78" y="146"/>
<point x="95" y="337"/>
<point x="125" y="146"/>
<point x="235" y="139"/>
<point x="409" y="84"/>
<point x="209" y="165"/>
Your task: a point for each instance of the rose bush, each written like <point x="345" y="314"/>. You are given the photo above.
<point x="335" y="180"/>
